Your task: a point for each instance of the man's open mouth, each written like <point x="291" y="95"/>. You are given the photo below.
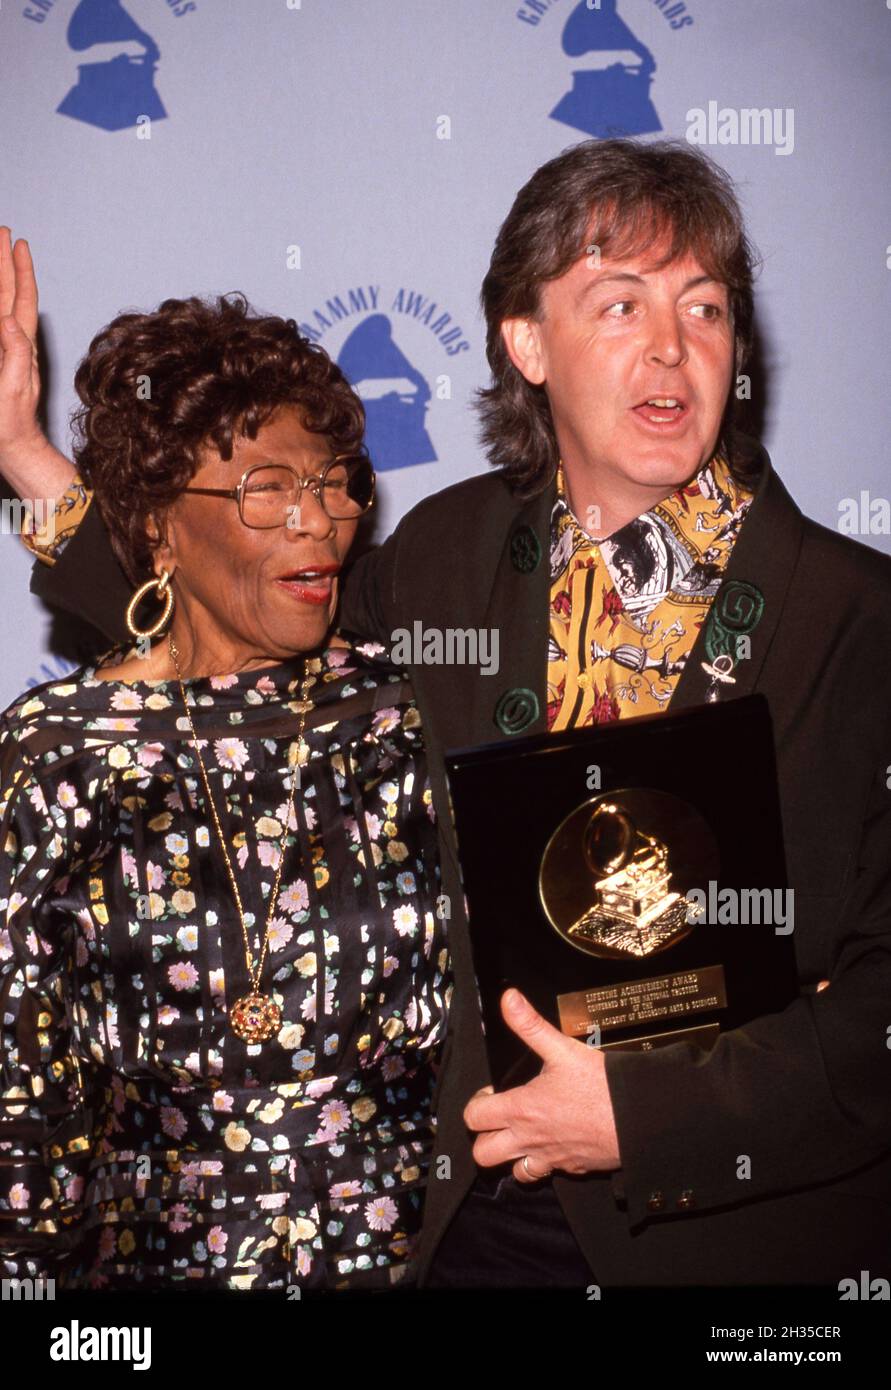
<point x="661" y="409"/>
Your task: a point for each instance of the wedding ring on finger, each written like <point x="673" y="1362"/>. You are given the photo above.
<point x="536" y="1177"/>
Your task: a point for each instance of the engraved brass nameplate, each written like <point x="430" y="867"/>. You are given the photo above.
<point x="635" y="1003"/>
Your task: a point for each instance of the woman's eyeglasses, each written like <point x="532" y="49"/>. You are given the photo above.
<point x="268" y="494"/>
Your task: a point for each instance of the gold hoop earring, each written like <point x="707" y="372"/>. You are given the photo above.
<point x="162" y="590"/>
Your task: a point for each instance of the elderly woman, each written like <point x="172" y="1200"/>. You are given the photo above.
<point x="223" y="979"/>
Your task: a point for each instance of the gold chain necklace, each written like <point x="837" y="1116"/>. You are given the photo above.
<point x="255" y="1016"/>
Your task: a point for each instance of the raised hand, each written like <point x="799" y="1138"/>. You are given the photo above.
<point x="27" y="459"/>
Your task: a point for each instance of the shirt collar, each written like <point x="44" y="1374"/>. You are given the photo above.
<point x="715" y="474"/>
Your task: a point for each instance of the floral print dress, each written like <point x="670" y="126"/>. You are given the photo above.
<point x="142" y="1143"/>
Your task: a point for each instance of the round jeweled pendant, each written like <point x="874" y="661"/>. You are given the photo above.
<point x="255" y="1017"/>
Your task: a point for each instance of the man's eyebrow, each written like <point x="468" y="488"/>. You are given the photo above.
<point x="626" y="277"/>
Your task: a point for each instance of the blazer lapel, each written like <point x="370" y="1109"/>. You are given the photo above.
<point x="515" y="700"/>
<point x="760" y="569"/>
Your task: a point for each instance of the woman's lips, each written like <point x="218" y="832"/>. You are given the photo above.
<point x="311" y="586"/>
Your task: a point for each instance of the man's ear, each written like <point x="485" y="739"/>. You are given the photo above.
<point x="522" y="340"/>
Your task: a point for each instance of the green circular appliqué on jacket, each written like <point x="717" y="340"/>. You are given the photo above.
<point x="525" y="550"/>
<point x="735" y="611"/>
<point x="516" y="710"/>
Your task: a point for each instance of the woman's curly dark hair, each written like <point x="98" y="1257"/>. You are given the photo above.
<point x="619" y="196"/>
<point x="154" y="387"/>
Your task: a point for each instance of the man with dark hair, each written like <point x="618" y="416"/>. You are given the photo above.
<point x="619" y="312"/>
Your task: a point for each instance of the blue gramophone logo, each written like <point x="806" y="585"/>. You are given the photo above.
<point x="111" y="93"/>
<point x="394" y="393"/>
<point x="611" y="97"/>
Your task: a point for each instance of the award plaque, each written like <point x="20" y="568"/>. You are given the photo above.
<point x="629" y="879"/>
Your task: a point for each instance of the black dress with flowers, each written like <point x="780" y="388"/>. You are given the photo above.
<point x="142" y="1143"/>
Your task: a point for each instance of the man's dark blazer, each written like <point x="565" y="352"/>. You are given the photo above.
<point x="804" y="1095"/>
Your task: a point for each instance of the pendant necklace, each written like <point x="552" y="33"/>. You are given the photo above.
<point x="255" y="1016"/>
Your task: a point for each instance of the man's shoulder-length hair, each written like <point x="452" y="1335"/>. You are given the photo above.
<point x="619" y="196"/>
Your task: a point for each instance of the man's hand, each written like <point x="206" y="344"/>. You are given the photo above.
<point x="27" y="459"/>
<point x="561" y="1119"/>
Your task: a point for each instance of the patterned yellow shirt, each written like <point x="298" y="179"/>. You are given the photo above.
<point x="625" y="611"/>
<point x="70" y="510"/>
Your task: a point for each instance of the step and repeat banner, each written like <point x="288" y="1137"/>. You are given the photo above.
<point x="347" y="163"/>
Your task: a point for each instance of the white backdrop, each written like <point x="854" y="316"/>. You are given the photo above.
<point x="299" y="150"/>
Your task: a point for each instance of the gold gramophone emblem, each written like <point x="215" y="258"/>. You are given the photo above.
<point x="608" y="879"/>
<point x="635" y="911"/>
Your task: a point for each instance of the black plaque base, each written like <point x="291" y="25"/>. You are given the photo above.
<point x="629" y="879"/>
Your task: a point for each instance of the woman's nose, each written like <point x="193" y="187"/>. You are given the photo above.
<point x="308" y="517"/>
